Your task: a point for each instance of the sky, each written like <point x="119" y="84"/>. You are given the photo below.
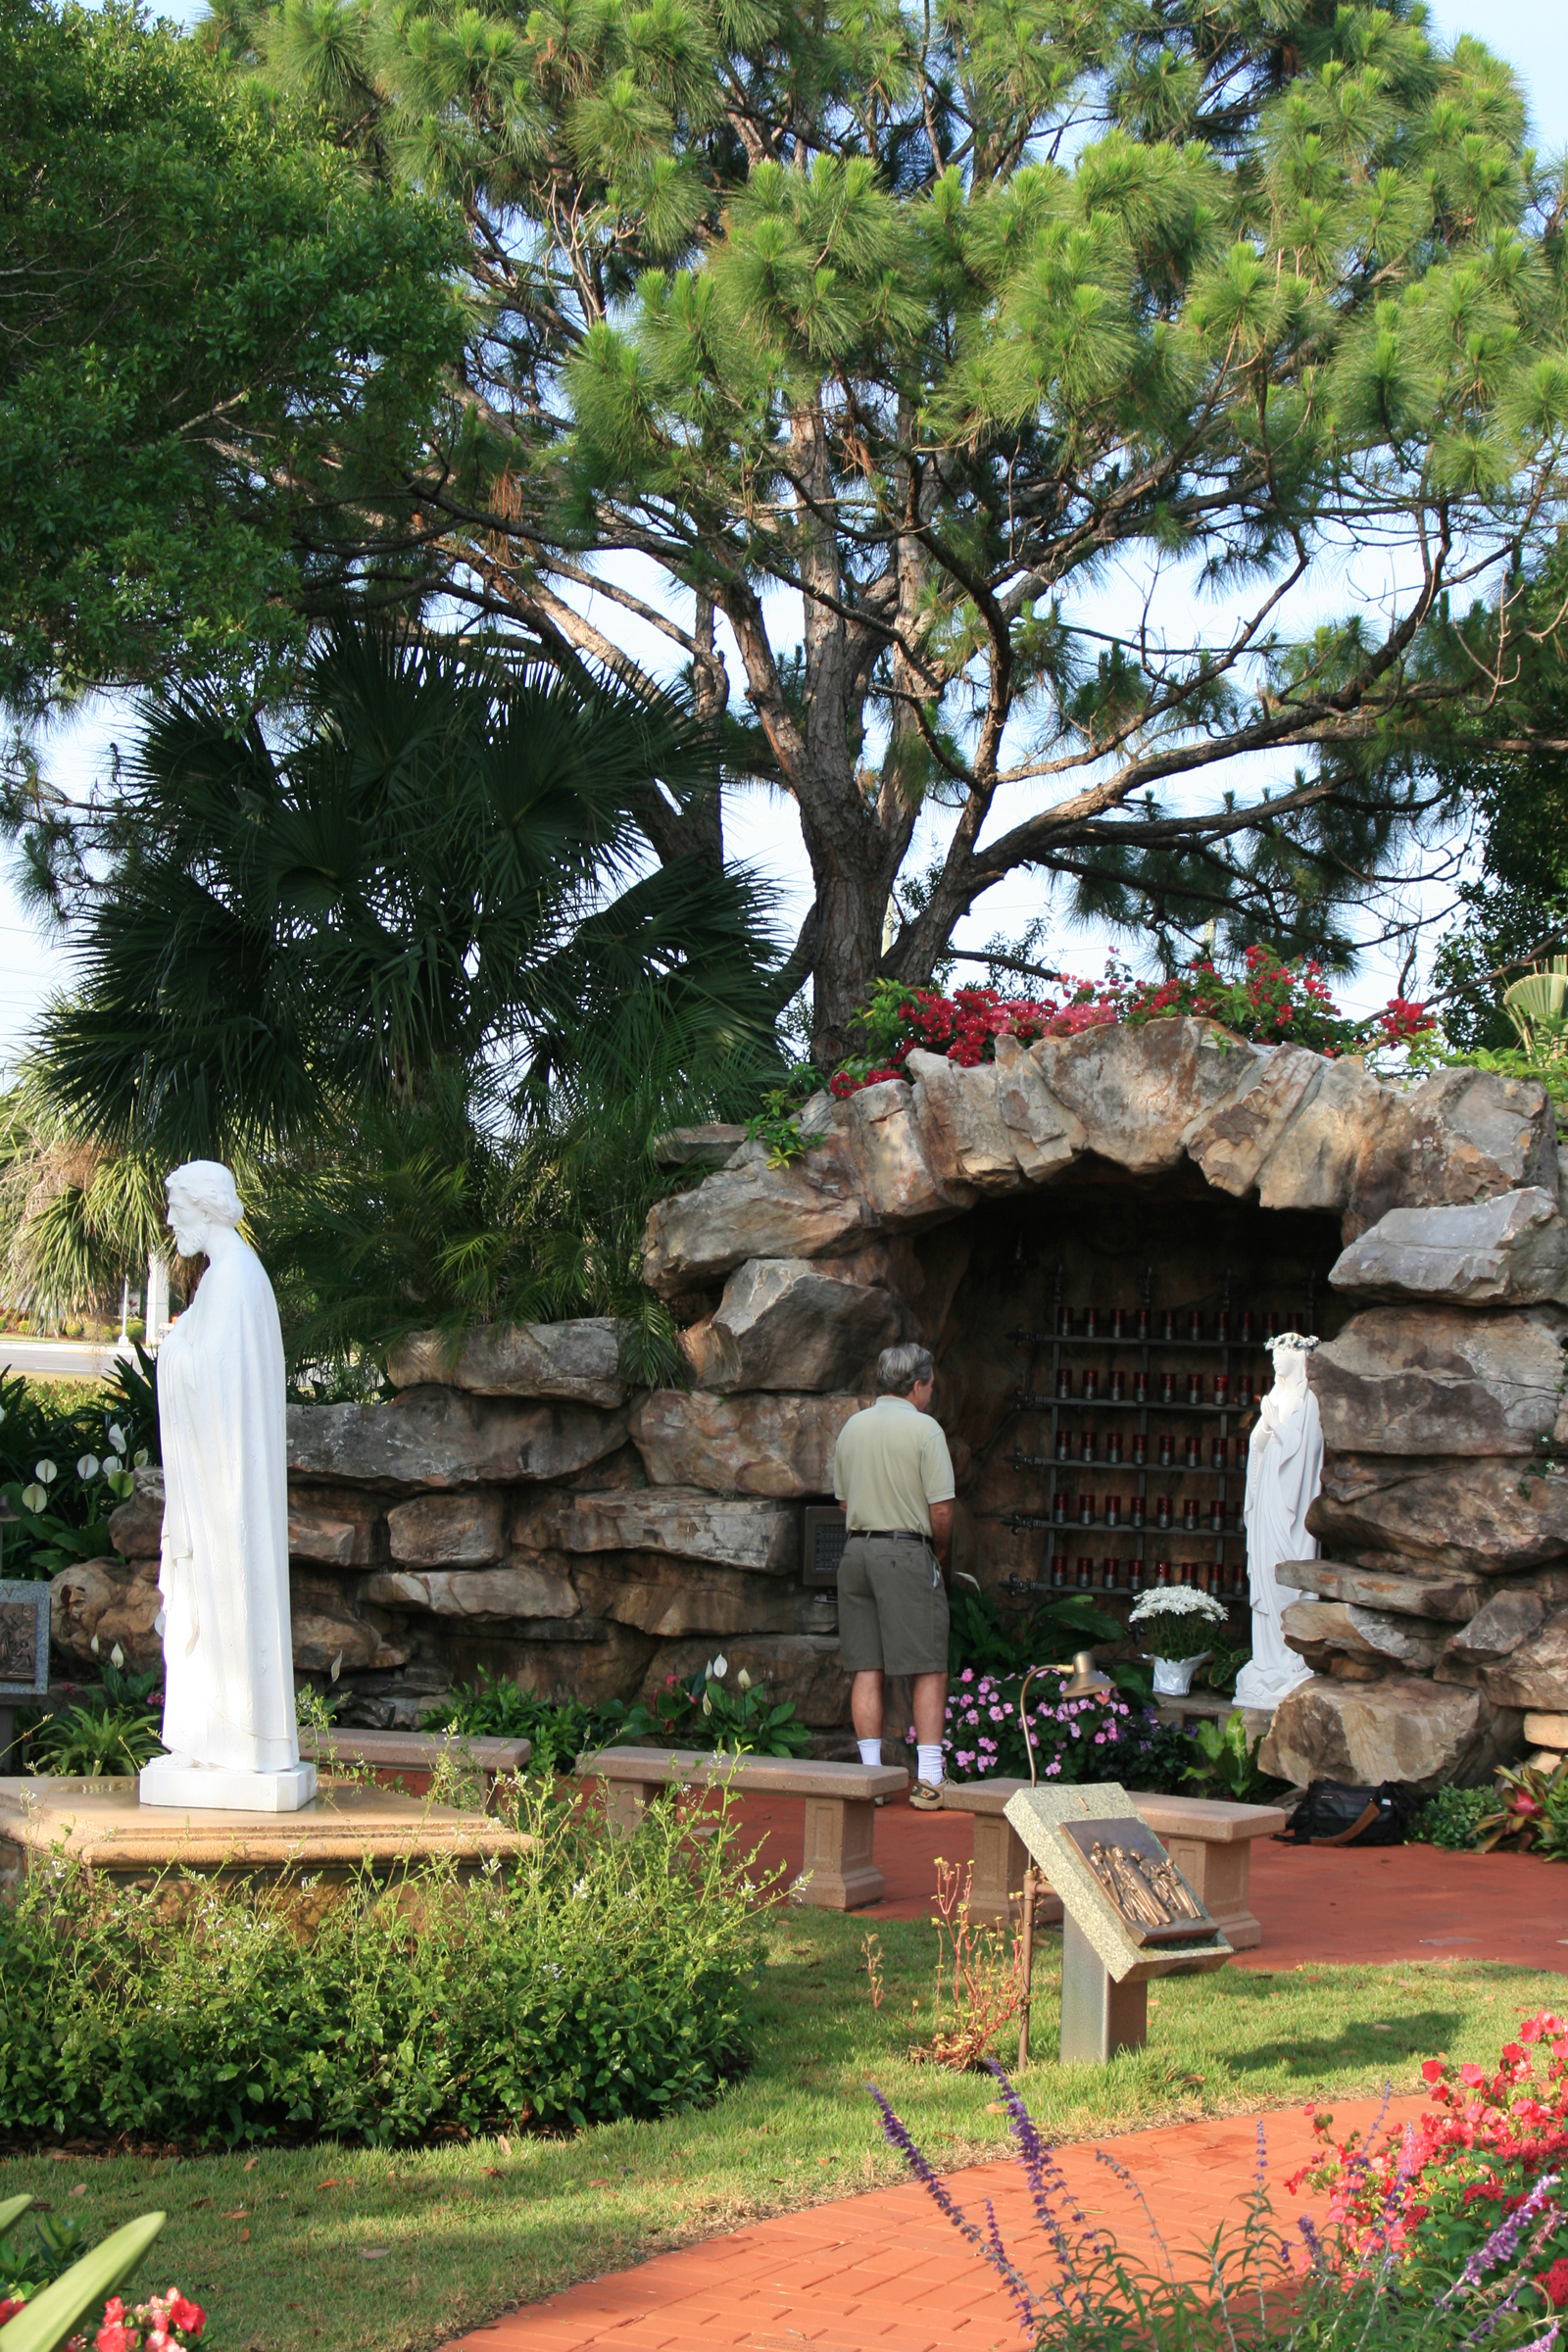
<point x="761" y="827"/>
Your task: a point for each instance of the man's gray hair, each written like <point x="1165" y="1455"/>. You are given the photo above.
<point x="899" y="1369"/>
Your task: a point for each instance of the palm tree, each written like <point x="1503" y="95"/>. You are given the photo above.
<point x="438" y="862"/>
<point x="408" y="948"/>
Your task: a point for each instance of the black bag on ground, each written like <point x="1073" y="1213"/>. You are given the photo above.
<point x="1336" y="1813"/>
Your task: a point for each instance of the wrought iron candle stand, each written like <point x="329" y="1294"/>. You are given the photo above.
<point x="1123" y="1403"/>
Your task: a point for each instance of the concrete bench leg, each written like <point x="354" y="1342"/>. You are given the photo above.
<point x="841" y="1875"/>
<point x="1000" y="1859"/>
<point x="1218" y="1876"/>
<point x="625" y="1803"/>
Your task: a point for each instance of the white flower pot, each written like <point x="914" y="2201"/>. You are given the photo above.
<point x="1173" y="1676"/>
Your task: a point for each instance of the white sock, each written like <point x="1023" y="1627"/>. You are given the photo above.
<point x="930" y="1764"/>
<point x="870" y="1752"/>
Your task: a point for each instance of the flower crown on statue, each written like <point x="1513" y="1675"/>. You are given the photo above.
<point x="1302" y="1342"/>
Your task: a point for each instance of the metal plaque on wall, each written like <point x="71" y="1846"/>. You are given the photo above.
<point x="1140" y="1882"/>
<point x="23" y="1638"/>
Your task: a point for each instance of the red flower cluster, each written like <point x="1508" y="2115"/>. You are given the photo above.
<point x="164" y="2323"/>
<point x="1487" y="2139"/>
<point x="1271" y="1001"/>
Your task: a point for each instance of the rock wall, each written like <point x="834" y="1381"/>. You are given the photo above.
<point x="515" y="1507"/>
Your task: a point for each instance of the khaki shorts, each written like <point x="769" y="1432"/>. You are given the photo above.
<point x="893" y="1609"/>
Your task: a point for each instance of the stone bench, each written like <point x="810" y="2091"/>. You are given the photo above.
<point x="840" y="1805"/>
<point x="402" y="1756"/>
<point x="1210" y="1841"/>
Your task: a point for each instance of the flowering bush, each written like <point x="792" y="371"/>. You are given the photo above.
<point x="1271" y="1001"/>
<point x="1477" y="2182"/>
<point x="1177" y="1621"/>
<point x="1096" y="1739"/>
<point x="1253" y="2293"/>
<point x="163" y="2323"/>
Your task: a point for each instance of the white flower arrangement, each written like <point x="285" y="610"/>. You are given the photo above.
<point x="1178" y="1601"/>
<point x="1177" y="1619"/>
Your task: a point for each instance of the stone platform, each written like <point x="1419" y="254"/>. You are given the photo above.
<point x="309" y="1853"/>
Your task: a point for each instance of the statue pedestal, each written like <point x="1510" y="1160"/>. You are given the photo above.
<point x="305" y="1858"/>
<point x="208" y="1788"/>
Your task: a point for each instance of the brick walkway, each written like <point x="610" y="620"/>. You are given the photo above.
<point x="886" y="2272"/>
<point x="1315" y="1903"/>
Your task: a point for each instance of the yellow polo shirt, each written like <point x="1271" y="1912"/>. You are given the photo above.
<point x="890" y="1464"/>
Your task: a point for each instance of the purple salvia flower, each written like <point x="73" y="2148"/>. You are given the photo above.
<point x="914" y="2156"/>
<point x="1495" y="2317"/>
<point x="1014" y="2278"/>
<point x="1500" y="2249"/>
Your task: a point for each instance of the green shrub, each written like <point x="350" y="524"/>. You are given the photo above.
<point x="591" y="1978"/>
<point x="1451" y="1818"/>
<point x="705" y="1713"/>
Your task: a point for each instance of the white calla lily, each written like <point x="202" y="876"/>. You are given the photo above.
<point x="720" y="1667"/>
<point x="88" y="1465"/>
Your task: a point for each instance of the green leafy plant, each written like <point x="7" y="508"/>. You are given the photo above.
<point x="65" y="1465"/>
<point x="590" y="1977"/>
<point x="709" y="1712"/>
<point x="1224" y="1664"/>
<point x="1225" y="1762"/>
<point x="95" y="1740"/>
<point x="558" y="1728"/>
<point x="1453" y="1817"/>
<point x="992" y="1641"/>
<point x="1528" y="1810"/>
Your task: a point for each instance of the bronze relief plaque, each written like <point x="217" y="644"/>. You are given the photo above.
<point x="24" y="1638"/>
<point x="1140" y="1881"/>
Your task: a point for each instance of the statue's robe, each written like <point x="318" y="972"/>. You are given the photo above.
<point x="223" y="1576"/>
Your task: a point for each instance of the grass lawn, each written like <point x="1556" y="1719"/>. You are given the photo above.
<point x="329" y="2249"/>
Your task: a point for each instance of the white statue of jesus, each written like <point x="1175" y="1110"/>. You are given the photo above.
<point x="228" y="1667"/>
<point x="1284" y="1471"/>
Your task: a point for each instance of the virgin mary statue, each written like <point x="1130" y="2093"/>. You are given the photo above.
<point x="1284" y="1471"/>
<point x="228" y="1676"/>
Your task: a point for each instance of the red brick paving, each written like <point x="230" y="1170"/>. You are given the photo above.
<point x="886" y="2272"/>
<point x="1315" y="1903"/>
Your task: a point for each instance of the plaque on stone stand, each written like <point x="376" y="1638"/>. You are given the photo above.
<point x="1130" y="1915"/>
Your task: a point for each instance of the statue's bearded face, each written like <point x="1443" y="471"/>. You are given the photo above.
<point x="188" y="1224"/>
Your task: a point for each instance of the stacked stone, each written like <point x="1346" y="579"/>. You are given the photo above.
<point x="516" y="1507"/>
<point x="1440" y="1630"/>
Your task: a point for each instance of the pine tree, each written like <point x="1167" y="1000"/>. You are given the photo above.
<point x="937" y="317"/>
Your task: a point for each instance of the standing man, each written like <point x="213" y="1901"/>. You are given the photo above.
<point x="894" y="1475"/>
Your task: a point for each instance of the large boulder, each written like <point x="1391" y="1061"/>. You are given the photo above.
<point x="1422" y="1733"/>
<point x="957" y="1111"/>
<point x="677" y="1598"/>
<point x="761" y="1535"/>
<point x="1510" y="1619"/>
<point x="758" y="1444"/>
<point x="136" y="1527"/>
<point x="330" y="1631"/>
<point x="1465" y="1135"/>
<point x="1511" y="1250"/>
<point x="1440" y="1380"/>
<point x="880" y="1136"/>
<point x="1536" y="1674"/>
<point x="109" y="1601"/>
<point x="1400" y="1589"/>
<point x="334" y="1527"/>
<point x="1043" y="1135"/>
<point x="437" y="1438"/>
<point x="576" y="1362"/>
<point x="1312" y="1160"/>
<point x="1324" y="1631"/>
<point x="749" y="1209"/>
<point x="1479" y="1516"/>
<point x="1232" y="1143"/>
<point x="467" y="1530"/>
<point x="521" y="1589"/>
<point x="787" y="1323"/>
<point x="1140" y="1094"/>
